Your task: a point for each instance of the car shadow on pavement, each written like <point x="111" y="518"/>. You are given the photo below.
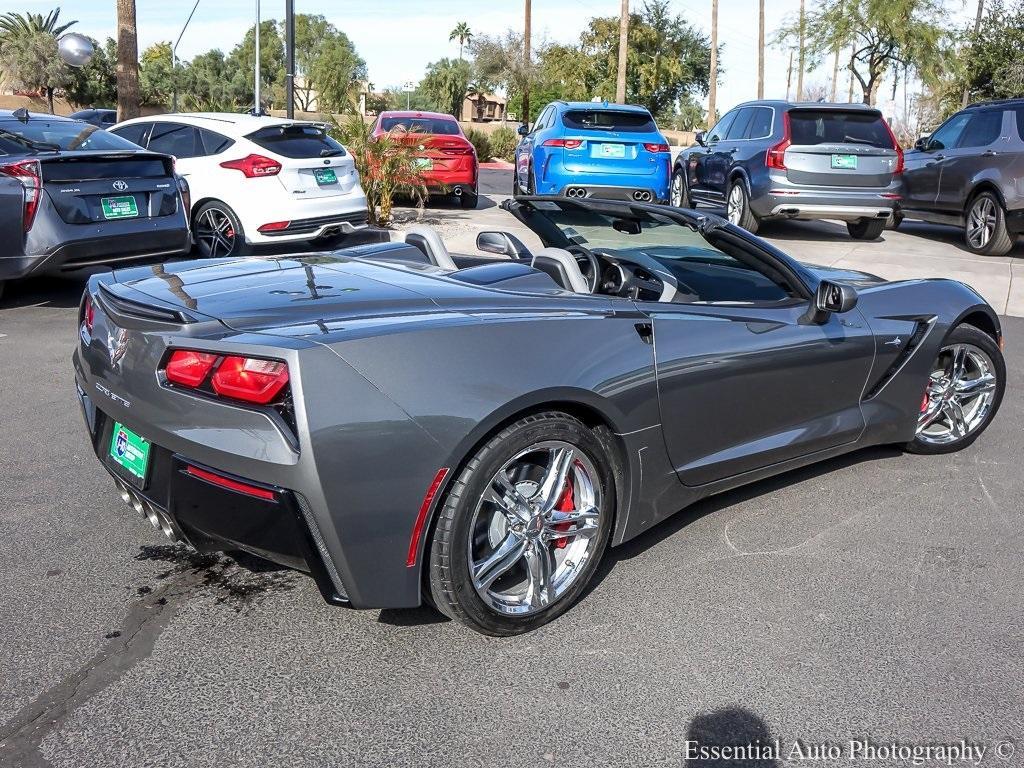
<point x="64" y="291"/>
<point x="733" y="737"/>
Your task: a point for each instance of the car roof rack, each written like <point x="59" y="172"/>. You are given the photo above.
<point x="995" y="103"/>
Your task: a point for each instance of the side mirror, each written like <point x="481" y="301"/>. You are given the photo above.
<point x="523" y="130"/>
<point x="701" y="138"/>
<point x="832" y="298"/>
<point x="922" y="143"/>
<point x="502" y="244"/>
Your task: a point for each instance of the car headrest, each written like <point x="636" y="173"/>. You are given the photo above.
<point x="562" y="267"/>
<point x="427" y="240"/>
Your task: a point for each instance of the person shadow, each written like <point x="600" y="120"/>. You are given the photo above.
<point x="732" y="737"/>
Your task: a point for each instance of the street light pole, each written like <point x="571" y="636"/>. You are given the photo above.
<point x="289" y="78"/>
<point x="174" y="61"/>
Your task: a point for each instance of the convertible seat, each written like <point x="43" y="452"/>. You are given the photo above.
<point x="427" y="240"/>
<point x="562" y="267"/>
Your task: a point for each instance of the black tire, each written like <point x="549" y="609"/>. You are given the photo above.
<point x="3" y="283"/>
<point x="450" y="583"/>
<point x="531" y="183"/>
<point x="994" y="239"/>
<point x="745" y="218"/>
<point x="680" y="199"/>
<point x="232" y="241"/>
<point x="469" y="198"/>
<point x="968" y="335"/>
<point x="866" y="229"/>
<point x="894" y="222"/>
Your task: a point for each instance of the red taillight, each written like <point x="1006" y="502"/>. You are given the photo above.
<point x="421" y="518"/>
<point x="254" y="166"/>
<point x="656" y="147"/>
<point x="250" y="379"/>
<point x="466" y="149"/>
<point x="30" y="175"/>
<point x="274" y="226"/>
<point x="189" y="368"/>
<point x="564" y="143"/>
<point x="897" y="147"/>
<point x="776" y="156"/>
<point x="88" y="314"/>
<point x="229" y="483"/>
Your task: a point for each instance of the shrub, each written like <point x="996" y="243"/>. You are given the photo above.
<point x="481" y="142"/>
<point x="503" y="143"/>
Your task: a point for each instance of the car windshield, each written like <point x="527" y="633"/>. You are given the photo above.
<point x="608" y="120"/>
<point x="42" y="135"/>
<point x="810" y="127"/>
<point x="438" y="126"/>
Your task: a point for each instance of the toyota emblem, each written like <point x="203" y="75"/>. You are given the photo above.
<point x="120" y="186"/>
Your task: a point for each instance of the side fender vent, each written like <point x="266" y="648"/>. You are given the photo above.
<point x="920" y="331"/>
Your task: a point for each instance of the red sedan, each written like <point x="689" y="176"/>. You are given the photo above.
<point x="446" y="157"/>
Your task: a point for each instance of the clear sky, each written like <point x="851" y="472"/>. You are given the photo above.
<point x="398" y="38"/>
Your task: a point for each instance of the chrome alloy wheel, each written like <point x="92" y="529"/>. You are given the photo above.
<point x="677" y="190"/>
<point x="734" y="208"/>
<point x="535" y="528"/>
<point x="959" y="395"/>
<point x="981" y="222"/>
<point x="215" y="233"/>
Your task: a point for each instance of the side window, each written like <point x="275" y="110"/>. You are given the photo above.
<point x="213" y="142"/>
<point x="1019" y="114"/>
<point x="109" y="118"/>
<point x="760" y="123"/>
<point x="718" y="132"/>
<point x="175" y="139"/>
<point x="135" y="133"/>
<point x="738" y="129"/>
<point x="949" y="132"/>
<point x="982" y="130"/>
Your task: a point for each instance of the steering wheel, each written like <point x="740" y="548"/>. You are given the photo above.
<point x="641" y="272"/>
<point x="589" y="266"/>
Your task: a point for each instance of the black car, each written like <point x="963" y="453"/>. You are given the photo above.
<point x="101" y="118"/>
<point x="967" y="173"/>
<point x="73" y="195"/>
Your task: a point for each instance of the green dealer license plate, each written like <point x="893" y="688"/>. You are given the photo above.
<point x="845" y="161"/>
<point x="119" y="207"/>
<point x="130" y="452"/>
<point x="325" y="176"/>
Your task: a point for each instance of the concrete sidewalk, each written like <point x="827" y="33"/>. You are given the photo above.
<point x="914" y="251"/>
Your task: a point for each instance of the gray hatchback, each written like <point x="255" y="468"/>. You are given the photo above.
<point x="778" y="159"/>
<point x="968" y="173"/>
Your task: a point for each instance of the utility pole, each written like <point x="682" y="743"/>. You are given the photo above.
<point x="760" y="49"/>
<point x="174" y="61"/>
<point x="789" y="73"/>
<point x="977" y="26"/>
<point x="713" y="90"/>
<point x="800" y="75"/>
<point x="526" y="66"/>
<point x="289" y="43"/>
<point x="620" y="78"/>
<point x="256" y="88"/>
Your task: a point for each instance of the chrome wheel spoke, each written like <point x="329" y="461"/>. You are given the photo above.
<point x="506" y="555"/>
<point x="960" y="392"/>
<point x="584" y="523"/>
<point x="540" y="570"/>
<point x="508" y="498"/>
<point x="954" y="414"/>
<point x="968" y="388"/>
<point x="553" y="484"/>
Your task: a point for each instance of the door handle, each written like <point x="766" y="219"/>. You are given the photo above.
<point x="989" y="153"/>
<point x="940" y="157"/>
<point x="646" y="332"/>
<point x="734" y="150"/>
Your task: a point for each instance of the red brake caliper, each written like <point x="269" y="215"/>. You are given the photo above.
<point x="565" y="504"/>
<point x="924" y="402"/>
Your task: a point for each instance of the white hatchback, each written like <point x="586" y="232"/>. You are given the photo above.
<point x="256" y="180"/>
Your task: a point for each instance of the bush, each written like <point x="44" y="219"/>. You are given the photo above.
<point x="481" y="142"/>
<point x="503" y="143"/>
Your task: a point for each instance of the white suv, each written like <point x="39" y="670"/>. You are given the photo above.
<point x="256" y="180"/>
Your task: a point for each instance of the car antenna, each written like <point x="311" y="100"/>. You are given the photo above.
<point x="22" y="114"/>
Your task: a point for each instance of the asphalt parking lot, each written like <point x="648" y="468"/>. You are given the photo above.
<point x="874" y="597"/>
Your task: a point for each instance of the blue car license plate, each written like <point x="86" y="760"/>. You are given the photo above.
<point x="617" y="151"/>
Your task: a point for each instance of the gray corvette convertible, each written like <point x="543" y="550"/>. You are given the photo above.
<point x="409" y="425"/>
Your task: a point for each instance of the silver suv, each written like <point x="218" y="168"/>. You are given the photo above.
<point x="778" y="159"/>
<point x="968" y="174"/>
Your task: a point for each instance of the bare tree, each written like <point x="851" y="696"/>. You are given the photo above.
<point x="127" y="61"/>
<point x="977" y="26"/>
<point x="800" y="74"/>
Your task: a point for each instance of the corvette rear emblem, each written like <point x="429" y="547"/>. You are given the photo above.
<point x="120" y="186"/>
<point x="117" y="344"/>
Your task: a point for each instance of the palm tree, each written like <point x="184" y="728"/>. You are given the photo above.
<point x="463" y="34"/>
<point x="17" y="24"/>
<point x="127" y="61"/>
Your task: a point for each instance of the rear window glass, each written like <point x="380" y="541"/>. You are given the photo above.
<point x="808" y="127"/>
<point x="121" y="168"/>
<point x="296" y="141"/>
<point x="608" y="120"/>
<point x="433" y="125"/>
<point x="42" y="135"/>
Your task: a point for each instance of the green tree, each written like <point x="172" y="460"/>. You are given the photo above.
<point x="327" y="63"/>
<point x="28" y="52"/>
<point x="95" y="84"/>
<point x="989" y="63"/>
<point x="206" y="84"/>
<point x="156" y="76"/>
<point x="446" y="83"/>
<point x="241" y="63"/>
<point x="463" y="34"/>
<point x="15" y="24"/>
<point x="885" y="33"/>
<point x="500" y="60"/>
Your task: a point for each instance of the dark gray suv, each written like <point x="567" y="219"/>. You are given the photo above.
<point x="779" y="159"/>
<point x="968" y="173"/>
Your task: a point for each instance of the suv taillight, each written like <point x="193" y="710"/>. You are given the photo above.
<point x="254" y="166"/>
<point x="657" y="147"/>
<point x="565" y="143"/>
<point x="776" y="156"/>
<point x="896" y="146"/>
<point x="249" y="379"/>
<point x="29" y="173"/>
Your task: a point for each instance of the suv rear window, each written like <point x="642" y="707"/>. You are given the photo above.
<point x="437" y="126"/>
<point x="42" y="135"/>
<point x="608" y="120"/>
<point x="809" y="127"/>
<point x="296" y="141"/>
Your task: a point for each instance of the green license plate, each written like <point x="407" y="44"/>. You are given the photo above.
<point x="424" y="163"/>
<point x="325" y="176"/>
<point x="845" y="161"/>
<point x="613" y="150"/>
<point x="119" y="207"/>
<point x="129" y="451"/>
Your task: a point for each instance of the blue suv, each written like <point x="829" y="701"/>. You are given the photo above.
<point x="588" y="149"/>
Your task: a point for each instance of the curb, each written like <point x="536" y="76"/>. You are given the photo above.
<point x="498" y="165"/>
